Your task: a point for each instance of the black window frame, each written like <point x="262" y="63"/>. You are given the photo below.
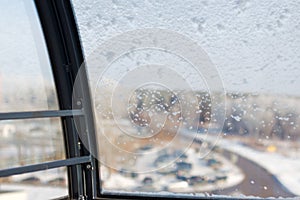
<point x="66" y="57"/>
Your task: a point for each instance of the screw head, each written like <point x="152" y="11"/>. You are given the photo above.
<point x="78" y="102"/>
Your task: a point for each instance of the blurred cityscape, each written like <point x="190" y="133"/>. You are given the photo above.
<point x="156" y="128"/>
<point x="255" y="126"/>
<point x="30" y="141"/>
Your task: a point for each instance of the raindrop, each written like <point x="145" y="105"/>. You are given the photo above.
<point x="237" y="118"/>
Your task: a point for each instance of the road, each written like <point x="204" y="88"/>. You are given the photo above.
<point x="257" y="182"/>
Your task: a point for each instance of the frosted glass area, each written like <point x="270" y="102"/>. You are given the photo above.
<point x="196" y="97"/>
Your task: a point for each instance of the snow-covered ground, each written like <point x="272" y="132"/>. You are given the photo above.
<point x="42" y="189"/>
<point x="26" y="192"/>
<point x="286" y="169"/>
<point x="169" y="182"/>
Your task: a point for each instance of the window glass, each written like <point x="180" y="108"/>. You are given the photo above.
<point x="195" y="96"/>
<point x="31" y="141"/>
<point x="48" y="184"/>
<point x="26" y="81"/>
<point x="27" y="84"/>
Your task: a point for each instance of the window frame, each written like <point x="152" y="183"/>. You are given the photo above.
<point x="66" y="57"/>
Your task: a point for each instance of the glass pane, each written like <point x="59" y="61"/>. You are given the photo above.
<point x="26" y="81"/>
<point x="48" y="184"/>
<point x="25" y="142"/>
<point x="195" y="96"/>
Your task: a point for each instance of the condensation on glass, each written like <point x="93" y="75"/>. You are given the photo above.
<point x="160" y="123"/>
<point x="27" y="84"/>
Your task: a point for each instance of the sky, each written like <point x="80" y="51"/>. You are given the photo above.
<point x="254" y="45"/>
